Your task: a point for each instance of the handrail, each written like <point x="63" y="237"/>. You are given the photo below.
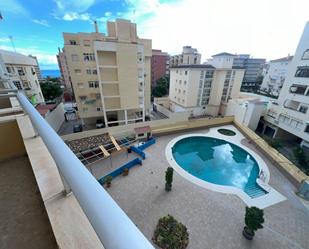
<point x="113" y="227"/>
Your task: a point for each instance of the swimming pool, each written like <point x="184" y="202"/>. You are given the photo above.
<point x="219" y="162"/>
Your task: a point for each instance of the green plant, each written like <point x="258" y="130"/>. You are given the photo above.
<point x="108" y="181"/>
<point x="254" y="218"/>
<point x="170" y="234"/>
<point x="169" y="178"/>
<point x="300" y="156"/>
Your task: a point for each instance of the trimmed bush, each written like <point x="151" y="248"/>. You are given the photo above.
<point x="169" y="178"/>
<point x="254" y="218"/>
<point x="170" y="234"/>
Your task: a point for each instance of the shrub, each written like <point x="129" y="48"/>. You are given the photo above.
<point x="254" y="218"/>
<point x="170" y="234"/>
<point x="168" y="178"/>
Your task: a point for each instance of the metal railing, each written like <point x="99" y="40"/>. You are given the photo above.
<point x="113" y="227"/>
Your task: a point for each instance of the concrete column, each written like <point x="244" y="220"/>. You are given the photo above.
<point x="126" y="116"/>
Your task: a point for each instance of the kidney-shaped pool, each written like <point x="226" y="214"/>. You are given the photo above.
<point x="218" y="162"/>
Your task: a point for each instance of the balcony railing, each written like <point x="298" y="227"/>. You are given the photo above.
<point x="112" y="226"/>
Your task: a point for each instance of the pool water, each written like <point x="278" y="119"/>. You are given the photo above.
<point x="219" y="162"/>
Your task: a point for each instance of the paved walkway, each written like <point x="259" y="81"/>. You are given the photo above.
<point x="214" y="220"/>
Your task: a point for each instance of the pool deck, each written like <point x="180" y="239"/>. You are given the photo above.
<point x="214" y="220"/>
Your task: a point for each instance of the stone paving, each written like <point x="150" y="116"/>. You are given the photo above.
<point x="214" y="220"/>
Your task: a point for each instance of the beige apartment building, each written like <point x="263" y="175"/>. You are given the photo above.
<point x="22" y="72"/>
<point x="189" y="56"/>
<point x="110" y="74"/>
<point x="204" y="89"/>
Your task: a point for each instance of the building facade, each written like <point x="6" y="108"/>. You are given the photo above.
<point x="275" y="76"/>
<point x="204" y="89"/>
<point x="64" y="70"/>
<point x="110" y="74"/>
<point x="253" y="74"/>
<point x="189" y="56"/>
<point x="21" y="70"/>
<point x="288" y="117"/>
<point x="37" y="68"/>
<point x="159" y="65"/>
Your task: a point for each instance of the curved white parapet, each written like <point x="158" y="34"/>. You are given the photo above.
<point x="268" y="199"/>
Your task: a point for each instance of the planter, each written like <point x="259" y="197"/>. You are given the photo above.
<point x="125" y="172"/>
<point x="168" y="187"/>
<point x="248" y="233"/>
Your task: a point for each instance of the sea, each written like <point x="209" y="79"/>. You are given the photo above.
<point x="50" y="73"/>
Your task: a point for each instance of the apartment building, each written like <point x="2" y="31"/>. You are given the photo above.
<point x="21" y="70"/>
<point x="204" y="89"/>
<point x="37" y="68"/>
<point x="63" y="66"/>
<point x="275" y="75"/>
<point x="288" y="117"/>
<point x="189" y="56"/>
<point x="159" y="65"/>
<point x="110" y="74"/>
<point x="253" y="74"/>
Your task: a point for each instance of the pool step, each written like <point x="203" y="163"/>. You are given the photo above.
<point x="254" y="191"/>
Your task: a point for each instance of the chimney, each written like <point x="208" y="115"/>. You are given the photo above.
<point x="96" y="27"/>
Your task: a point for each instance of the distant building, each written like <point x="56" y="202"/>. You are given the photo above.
<point x="21" y="71"/>
<point x="159" y="65"/>
<point x="254" y="69"/>
<point x="204" y="89"/>
<point x="65" y="74"/>
<point x="189" y="56"/>
<point x="275" y="75"/>
<point x="110" y="74"/>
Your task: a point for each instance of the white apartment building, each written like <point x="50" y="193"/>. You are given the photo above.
<point x="110" y="73"/>
<point x="204" y="89"/>
<point x="276" y="75"/>
<point x="189" y="56"/>
<point x="63" y="66"/>
<point x="21" y="70"/>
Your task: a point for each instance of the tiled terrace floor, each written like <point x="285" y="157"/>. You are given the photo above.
<point x="214" y="220"/>
<point x="24" y="222"/>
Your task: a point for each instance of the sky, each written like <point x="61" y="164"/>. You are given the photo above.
<point x="267" y="29"/>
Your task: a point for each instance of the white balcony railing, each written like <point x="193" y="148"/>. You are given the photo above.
<point x="113" y="227"/>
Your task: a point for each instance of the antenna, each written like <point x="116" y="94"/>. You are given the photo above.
<point x="11" y="39"/>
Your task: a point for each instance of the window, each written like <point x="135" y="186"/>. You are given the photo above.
<point x="32" y="71"/>
<point x="88" y="71"/>
<point x="77" y="71"/>
<point x="80" y="85"/>
<point x="98" y="96"/>
<point x="186" y="72"/>
<point x="10" y="69"/>
<point x="209" y="74"/>
<point x="179" y="82"/>
<point x="74" y="57"/>
<point x="89" y="57"/>
<point x="98" y="109"/>
<point x="302" y="72"/>
<point x="20" y="71"/>
<point x="72" y="42"/>
<point x="94" y="71"/>
<point x="93" y="84"/>
<point x="303" y="109"/>
<point x="18" y="85"/>
<point x="305" y="55"/>
<point x="82" y="97"/>
<point x="185" y="82"/>
<point x="307" y="128"/>
<point x="87" y="43"/>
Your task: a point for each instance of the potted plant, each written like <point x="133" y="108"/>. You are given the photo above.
<point x="168" y="178"/>
<point x="253" y="220"/>
<point x="125" y="172"/>
<point x="108" y="181"/>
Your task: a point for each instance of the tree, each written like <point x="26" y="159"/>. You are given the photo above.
<point x="51" y="90"/>
<point x="161" y="88"/>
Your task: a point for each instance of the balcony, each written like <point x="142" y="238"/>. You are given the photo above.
<point x="80" y="220"/>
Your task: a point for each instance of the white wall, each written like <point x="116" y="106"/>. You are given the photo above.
<point x="56" y="117"/>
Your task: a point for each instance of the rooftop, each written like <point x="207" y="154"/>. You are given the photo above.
<point x="194" y="66"/>
<point x="283" y="59"/>
<point x="223" y="54"/>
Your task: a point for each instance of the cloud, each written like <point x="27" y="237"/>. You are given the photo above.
<point x="216" y="26"/>
<point x="41" y="22"/>
<point x="74" y="5"/>
<point x="12" y="6"/>
<point x="46" y="60"/>
<point x="71" y="16"/>
<point x="5" y="39"/>
<point x="108" y="14"/>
